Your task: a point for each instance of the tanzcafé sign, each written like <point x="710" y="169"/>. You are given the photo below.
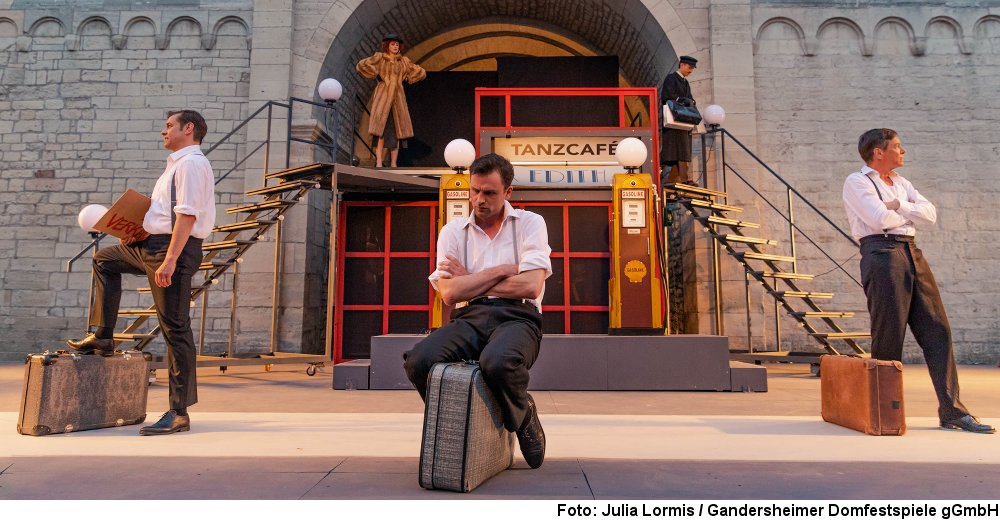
<point x="561" y="162"/>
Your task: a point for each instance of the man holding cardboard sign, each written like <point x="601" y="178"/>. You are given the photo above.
<point x="181" y="213"/>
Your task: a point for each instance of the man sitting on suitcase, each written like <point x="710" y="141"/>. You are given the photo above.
<point x="181" y="214"/>
<point x="492" y="267"/>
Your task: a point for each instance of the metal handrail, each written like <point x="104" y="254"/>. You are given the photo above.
<point x="788" y="186"/>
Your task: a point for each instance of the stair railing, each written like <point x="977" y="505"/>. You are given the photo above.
<point x="793" y="228"/>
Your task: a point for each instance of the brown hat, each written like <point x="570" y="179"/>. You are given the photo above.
<point x="690" y="61"/>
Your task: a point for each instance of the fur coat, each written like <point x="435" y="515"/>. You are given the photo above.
<point x="390" y="70"/>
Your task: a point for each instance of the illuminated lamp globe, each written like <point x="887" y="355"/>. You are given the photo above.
<point x="330" y="89"/>
<point x="459" y="154"/>
<point x="631" y="153"/>
<point x="714" y="115"/>
<point x="89" y="216"/>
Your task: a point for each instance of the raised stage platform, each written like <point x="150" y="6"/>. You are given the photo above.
<point x="586" y="362"/>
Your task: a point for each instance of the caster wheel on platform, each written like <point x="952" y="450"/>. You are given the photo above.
<point x="814" y="368"/>
<point x="223" y="369"/>
<point x="311" y="370"/>
<point x="150" y="377"/>
<point x="267" y="368"/>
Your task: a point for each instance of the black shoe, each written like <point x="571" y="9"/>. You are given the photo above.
<point x="969" y="424"/>
<point x="169" y="423"/>
<point x="531" y="438"/>
<point x="91" y="343"/>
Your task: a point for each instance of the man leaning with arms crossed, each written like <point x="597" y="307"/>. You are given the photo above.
<point x="181" y="214"/>
<point x="492" y="267"/>
<point x="883" y="209"/>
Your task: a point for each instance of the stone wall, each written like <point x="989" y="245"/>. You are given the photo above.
<point x="83" y="96"/>
<point x="826" y="74"/>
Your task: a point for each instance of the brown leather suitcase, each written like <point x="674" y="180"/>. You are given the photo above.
<point x="863" y="394"/>
<point x="66" y="392"/>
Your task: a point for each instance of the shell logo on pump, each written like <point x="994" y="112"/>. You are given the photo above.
<point x="635" y="271"/>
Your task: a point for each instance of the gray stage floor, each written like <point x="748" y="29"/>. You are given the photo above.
<point x="284" y="435"/>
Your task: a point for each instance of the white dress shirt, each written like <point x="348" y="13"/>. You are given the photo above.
<point x="195" y="187"/>
<point x="869" y="216"/>
<point x="482" y="252"/>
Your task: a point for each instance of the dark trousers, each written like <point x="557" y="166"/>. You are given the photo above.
<point x="503" y="336"/>
<point x="901" y="290"/>
<point x="173" y="303"/>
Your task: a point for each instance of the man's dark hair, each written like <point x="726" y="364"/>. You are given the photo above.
<point x="492" y="162"/>
<point x="872" y="139"/>
<point x="190" y="116"/>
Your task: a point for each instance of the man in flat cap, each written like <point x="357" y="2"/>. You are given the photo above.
<point x="675" y="145"/>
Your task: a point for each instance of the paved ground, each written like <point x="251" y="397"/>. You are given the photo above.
<point x="284" y="435"/>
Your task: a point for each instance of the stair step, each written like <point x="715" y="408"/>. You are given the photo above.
<point x="841" y="335"/>
<point x="714" y="206"/>
<point x="728" y="222"/>
<point x="749" y="240"/>
<point x="301" y="171"/>
<point x="785" y="276"/>
<point x="120" y="337"/>
<point x="245" y="224"/>
<point x="283" y="187"/>
<point x="262" y="206"/>
<point x="137" y="312"/>
<point x="225" y="244"/>
<point x="763" y="256"/>
<point x="693" y="190"/>
<point x="215" y="265"/>
<point x="823" y="314"/>
<point x="801" y="294"/>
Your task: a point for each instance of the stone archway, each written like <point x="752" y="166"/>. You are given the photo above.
<point x="646" y="36"/>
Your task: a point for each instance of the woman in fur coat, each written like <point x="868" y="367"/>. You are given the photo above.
<point x="390" y="117"/>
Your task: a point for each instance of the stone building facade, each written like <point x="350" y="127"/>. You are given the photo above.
<point x="84" y="90"/>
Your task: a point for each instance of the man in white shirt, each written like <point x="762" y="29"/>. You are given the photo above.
<point x="883" y="209"/>
<point x="181" y="215"/>
<point x="492" y="267"/>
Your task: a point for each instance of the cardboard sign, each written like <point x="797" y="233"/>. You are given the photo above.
<point x="124" y="219"/>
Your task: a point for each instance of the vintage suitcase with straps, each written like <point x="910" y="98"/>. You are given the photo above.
<point x="65" y="392"/>
<point x="863" y="394"/>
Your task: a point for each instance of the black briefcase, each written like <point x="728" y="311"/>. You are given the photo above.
<point x="65" y="392"/>
<point x="684" y="110"/>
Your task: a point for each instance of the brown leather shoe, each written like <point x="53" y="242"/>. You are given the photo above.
<point x="531" y="437"/>
<point x="91" y="343"/>
<point x="169" y="423"/>
<point x="969" y="424"/>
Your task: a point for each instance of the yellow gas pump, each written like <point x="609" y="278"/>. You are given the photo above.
<point x="636" y="286"/>
<point x="453" y="204"/>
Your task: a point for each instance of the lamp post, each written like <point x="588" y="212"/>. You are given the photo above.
<point x="88" y="217"/>
<point x="459" y="155"/>
<point x="330" y="90"/>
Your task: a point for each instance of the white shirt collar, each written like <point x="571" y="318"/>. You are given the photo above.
<point x="183" y="152"/>
<point x="866" y="170"/>
<point x="508" y="213"/>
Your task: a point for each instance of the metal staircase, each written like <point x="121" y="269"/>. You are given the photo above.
<point x="793" y="292"/>
<point x="223" y="255"/>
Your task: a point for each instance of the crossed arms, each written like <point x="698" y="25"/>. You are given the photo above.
<point x="458" y="284"/>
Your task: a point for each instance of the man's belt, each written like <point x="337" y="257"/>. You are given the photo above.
<point x="491" y="300"/>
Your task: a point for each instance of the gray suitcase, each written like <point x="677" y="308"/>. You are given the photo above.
<point x="65" y="392"/>
<point x="464" y="442"/>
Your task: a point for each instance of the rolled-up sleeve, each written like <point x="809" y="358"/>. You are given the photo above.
<point x="193" y="178"/>
<point x="535" y="250"/>
<point x="448" y="244"/>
